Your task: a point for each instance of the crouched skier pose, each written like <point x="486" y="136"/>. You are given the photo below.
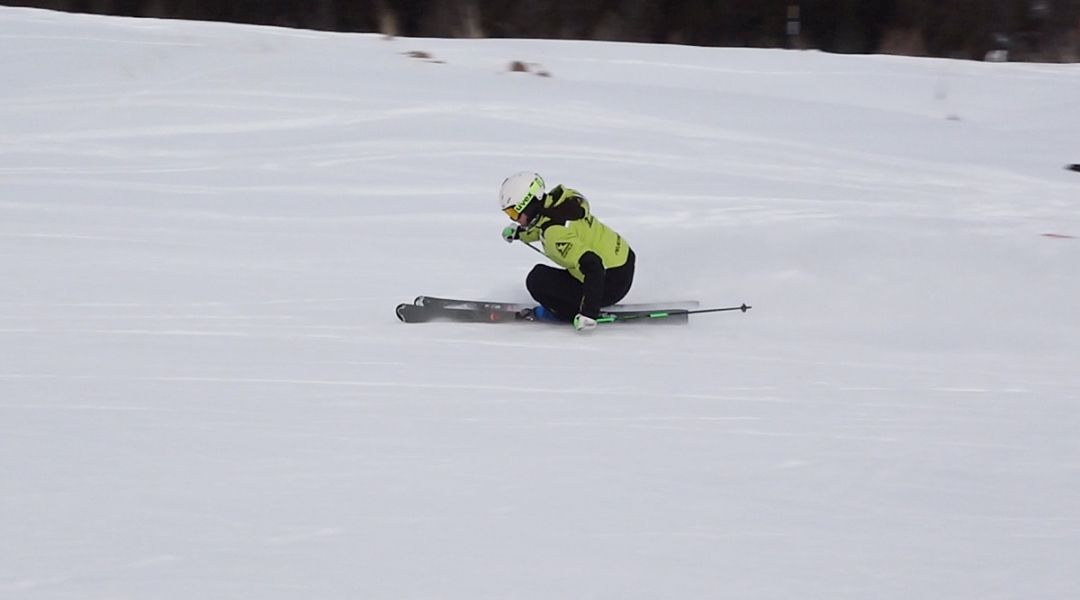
<point x="598" y="263"/>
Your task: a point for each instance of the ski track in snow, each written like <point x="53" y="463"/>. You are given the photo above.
<point x="204" y="392"/>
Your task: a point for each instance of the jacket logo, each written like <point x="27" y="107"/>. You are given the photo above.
<point x="563" y="248"/>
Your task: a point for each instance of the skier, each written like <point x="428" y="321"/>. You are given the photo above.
<point x="598" y="264"/>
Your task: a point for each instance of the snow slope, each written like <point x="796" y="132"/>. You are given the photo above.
<point x="204" y="392"/>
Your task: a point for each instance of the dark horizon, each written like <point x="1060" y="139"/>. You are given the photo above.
<point x="1039" y="30"/>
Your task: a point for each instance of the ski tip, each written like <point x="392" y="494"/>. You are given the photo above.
<point x="400" y="312"/>
<point x="1073" y="167"/>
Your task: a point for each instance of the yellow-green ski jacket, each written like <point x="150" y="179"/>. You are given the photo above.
<point x="574" y="239"/>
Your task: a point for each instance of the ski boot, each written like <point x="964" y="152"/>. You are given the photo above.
<point x="538" y="313"/>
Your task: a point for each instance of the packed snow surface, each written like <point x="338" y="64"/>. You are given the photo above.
<point x="204" y="392"/>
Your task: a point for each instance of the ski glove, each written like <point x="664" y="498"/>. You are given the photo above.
<point x="511" y="232"/>
<point x="583" y="323"/>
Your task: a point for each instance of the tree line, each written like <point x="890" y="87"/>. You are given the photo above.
<point x="1047" y="30"/>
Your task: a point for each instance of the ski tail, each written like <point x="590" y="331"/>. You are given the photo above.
<point x="411" y="313"/>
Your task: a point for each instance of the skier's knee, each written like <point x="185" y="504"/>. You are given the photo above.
<point x="534" y="282"/>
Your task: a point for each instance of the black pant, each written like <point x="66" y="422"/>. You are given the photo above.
<point x="558" y="291"/>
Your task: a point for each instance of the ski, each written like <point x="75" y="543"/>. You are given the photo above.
<point x="453" y="303"/>
<point x="425" y="313"/>
<point x="433" y="301"/>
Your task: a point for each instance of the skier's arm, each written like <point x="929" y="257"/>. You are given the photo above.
<point x="592" y="267"/>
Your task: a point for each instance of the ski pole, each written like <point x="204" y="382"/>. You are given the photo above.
<point x="663" y="314"/>
<point x="535" y="249"/>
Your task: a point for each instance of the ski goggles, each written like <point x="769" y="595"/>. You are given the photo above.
<point x="534" y="190"/>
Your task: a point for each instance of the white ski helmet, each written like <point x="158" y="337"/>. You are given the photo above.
<point x="518" y="191"/>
